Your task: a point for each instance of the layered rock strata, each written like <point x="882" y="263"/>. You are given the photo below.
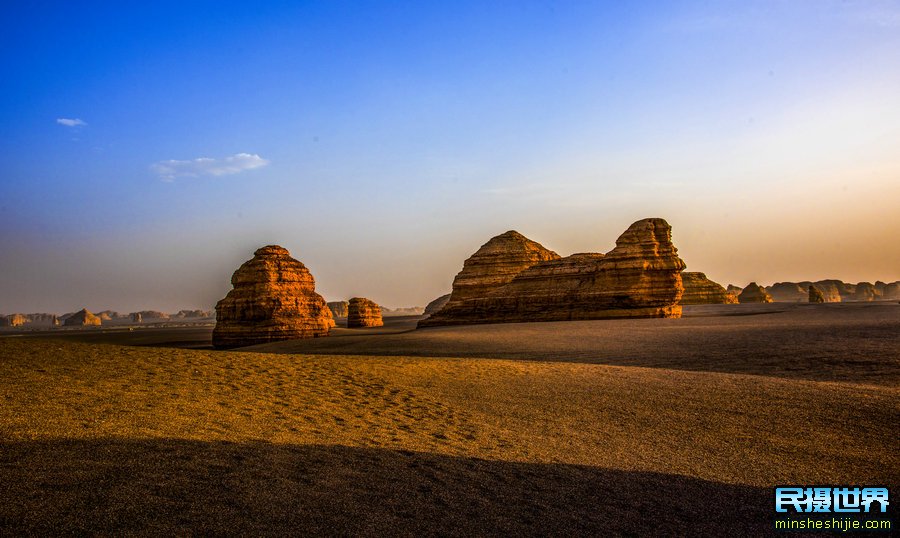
<point x="83" y="318"/>
<point x="754" y="293"/>
<point x="640" y="277"/>
<point x="698" y="289"/>
<point x="362" y="312"/>
<point x="273" y="299"/>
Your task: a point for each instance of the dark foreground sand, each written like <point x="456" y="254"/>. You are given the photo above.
<point x="107" y="438"/>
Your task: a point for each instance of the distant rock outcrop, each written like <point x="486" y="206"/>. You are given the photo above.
<point x="362" y="312"/>
<point x="193" y="314"/>
<point x="436" y="304"/>
<point x="698" y="289"/>
<point x="891" y="291"/>
<point x="137" y="317"/>
<point x="402" y="311"/>
<point x="815" y="295"/>
<point x="13" y="320"/>
<point x="153" y="314"/>
<point x="831" y="290"/>
<point x="338" y="308"/>
<point x="273" y="299"/>
<point x="754" y="293"/>
<point x="789" y="292"/>
<point x="641" y="277"/>
<point x="865" y="291"/>
<point x="83" y="318"/>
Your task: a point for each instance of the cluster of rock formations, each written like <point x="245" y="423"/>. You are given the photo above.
<point x="48" y="321"/>
<point x="514" y="279"/>
<point x="833" y="291"/>
<point x="273" y="298"/>
<point x="698" y="289"/>
<point x="402" y="311"/>
<point x="363" y="312"/>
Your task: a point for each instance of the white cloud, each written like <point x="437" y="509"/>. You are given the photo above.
<point x="69" y="122"/>
<point x="204" y="166"/>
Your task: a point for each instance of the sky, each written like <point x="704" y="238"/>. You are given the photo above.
<point x="147" y="150"/>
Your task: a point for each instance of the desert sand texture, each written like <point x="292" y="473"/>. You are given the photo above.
<point x="103" y="438"/>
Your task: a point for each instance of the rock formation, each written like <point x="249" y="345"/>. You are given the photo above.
<point x="274" y="298"/>
<point x="789" y="292"/>
<point x="362" y="312"/>
<point x="338" y="308"/>
<point x="437" y="304"/>
<point x="865" y="291"/>
<point x="754" y="293"/>
<point x="698" y="289"/>
<point x="815" y="296"/>
<point x="891" y="291"/>
<point x="153" y="314"/>
<point x="402" y="311"/>
<point x="193" y="314"/>
<point x="137" y="317"/>
<point x="831" y="290"/>
<point x="83" y="318"/>
<point x="641" y="277"/>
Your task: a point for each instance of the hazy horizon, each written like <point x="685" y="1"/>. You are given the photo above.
<point x="146" y="152"/>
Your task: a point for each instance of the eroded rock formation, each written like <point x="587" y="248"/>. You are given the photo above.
<point x="137" y="317"/>
<point x="362" y="312"/>
<point x="83" y="318"/>
<point x="815" y="295"/>
<point x="402" y="311"/>
<point x="789" y="292"/>
<point x="754" y="293"/>
<point x="891" y="291"/>
<point x="698" y="289"/>
<point x="273" y="299"/>
<point x="338" y="308"/>
<point x="437" y="304"/>
<point x="640" y="277"/>
<point x="865" y="291"/>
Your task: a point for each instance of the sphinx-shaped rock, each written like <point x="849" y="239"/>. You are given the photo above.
<point x="274" y="298"/>
<point x="437" y="304"/>
<point x="338" y="308"/>
<point x="83" y="318"/>
<point x="698" y="289"/>
<point x="641" y="277"/>
<point x="815" y="295"/>
<point x="754" y="293"/>
<point x="362" y="312"/>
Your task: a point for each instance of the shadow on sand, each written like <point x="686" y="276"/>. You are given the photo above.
<point x="176" y="486"/>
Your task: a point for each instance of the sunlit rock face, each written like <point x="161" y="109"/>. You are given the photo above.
<point x="363" y="312"/>
<point x="698" y="289"/>
<point x="754" y="293"/>
<point x="83" y="318"/>
<point x="641" y="277"/>
<point x="815" y="295"/>
<point x="274" y="298"/>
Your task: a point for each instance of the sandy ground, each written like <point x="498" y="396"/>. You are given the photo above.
<point x="101" y="438"/>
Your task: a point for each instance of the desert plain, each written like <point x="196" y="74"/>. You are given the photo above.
<point x="611" y="427"/>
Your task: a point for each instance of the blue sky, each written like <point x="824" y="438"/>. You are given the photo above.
<point x="382" y="143"/>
